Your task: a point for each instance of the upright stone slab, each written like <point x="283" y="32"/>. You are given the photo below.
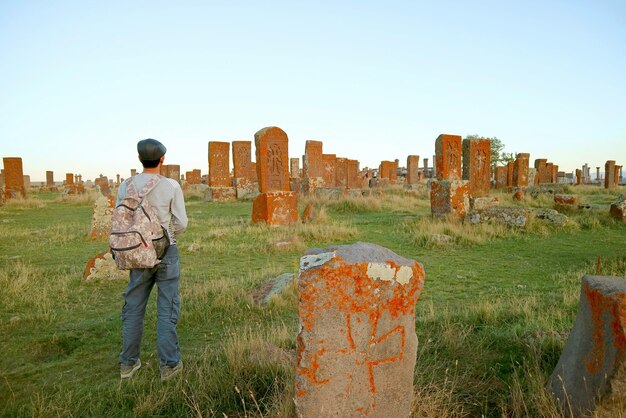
<point x="449" y="197"/>
<point x="501" y="177"/>
<point x="393" y="173"/>
<point x="49" y="179"/>
<point x="549" y="173"/>
<point x="579" y="175"/>
<point x="477" y="165"/>
<point x="609" y="174"/>
<point x="532" y="176"/>
<point x="427" y="172"/>
<point x="313" y="166"/>
<point x="174" y="172"/>
<point x="330" y="170"/>
<point x="133" y="172"/>
<point x="593" y="362"/>
<point x="26" y="181"/>
<point x="509" y="173"/>
<point x="618" y="170"/>
<point x="555" y="173"/>
<point x="385" y="170"/>
<point x="13" y="177"/>
<point x="102" y="212"/>
<point x="245" y="171"/>
<point x="294" y="167"/>
<point x="352" y="174"/>
<point x="341" y="173"/>
<point x="357" y="346"/>
<point x="520" y="170"/>
<point x="70" y="187"/>
<point x="220" y="185"/>
<point x="448" y="157"/>
<point x="412" y="169"/>
<point x="540" y="165"/>
<point x="276" y="205"/>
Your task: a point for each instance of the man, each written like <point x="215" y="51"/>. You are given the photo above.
<point x="167" y="200"/>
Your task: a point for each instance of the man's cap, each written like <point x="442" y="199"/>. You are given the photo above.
<point x="150" y="149"/>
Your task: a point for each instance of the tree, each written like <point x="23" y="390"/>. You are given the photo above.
<point x="498" y="156"/>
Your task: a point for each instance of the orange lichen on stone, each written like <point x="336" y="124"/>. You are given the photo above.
<point x="520" y="170"/>
<point x="219" y="167"/>
<point x="272" y="159"/>
<point x="412" y="166"/>
<point x="357" y="332"/>
<point x="477" y="165"/>
<point x="275" y="208"/>
<point x="13" y="177"/>
<point x="449" y="197"/>
<point x="448" y="156"/>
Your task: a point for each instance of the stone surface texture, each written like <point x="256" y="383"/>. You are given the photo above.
<point x="448" y="155"/>
<point x="357" y="346"/>
<point x="412" y="169"/>
<point x="449" y="197"/>
<point x="102" y="212"/>
<point x="520" y="170"/>
<point x="13" y="177"/>
<point x="219" y="167"/>
<point x="609" y="175"/>
<point x="501" y="177"/>
<point x="275" y="208"/>
<point x="592" y="363"/>
<point x="330" y="167"/>
<point x="477" y="165"/>
<point x="618" y="208"/>
<point x="272" y="159"/>
<point x="102" y="267"/>
<point x="516" y="217"/>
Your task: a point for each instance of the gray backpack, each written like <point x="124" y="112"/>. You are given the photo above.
<point x="137" y="238"/>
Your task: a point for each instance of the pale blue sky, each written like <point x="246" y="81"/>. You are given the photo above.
<point x="82" y="81"/>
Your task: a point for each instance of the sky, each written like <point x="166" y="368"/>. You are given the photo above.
<point x="82" y="81"/>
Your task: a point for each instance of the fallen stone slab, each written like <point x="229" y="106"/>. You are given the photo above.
<point x="565" y="199"/>
<point x="516" y="217"/>
<point x="271" y="288"/>
<point x="593" y="362"/>
<point x="535" y="191"/>
<point x="551" y="216"/>
<point x="480" y="203"/>
<point x="103" y="267"/>
<point x="618" y="208"/>
<point x="357" y="344"/>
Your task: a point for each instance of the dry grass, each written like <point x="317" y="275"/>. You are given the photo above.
<point x="89" y="197"/>
<point x="432" y="232"/>
<point x="29" y="202"/>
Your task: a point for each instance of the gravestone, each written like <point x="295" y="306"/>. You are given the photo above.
<point x="13" y="177"/>
<point x="609" y="174"/>
<point x="555" y="173"/>
<point x="341" y="173"/>
<point x="294" y="167"/>
<point x="427" y="173"/>
<point x="246" y="186"/>
<point x="591" y="373"/>
<point x="412" y="169"/>
<point x="520" y="170"/>
<point x="26" y="181"/>
<point x="312" y="166"/>
<point x="352" y="174"/>
<point x="477" y="165"/>
<point x="357" y="345"/>
<point x="579" y="175"/>
<point x="532" y="176"/>
<point x="549" y="173"/>
<point x="133" y="172"/>
<point x="173" y="172"/>
<point x="49" y="179"/>
<point x="501" y="177"/>
<point x="618" y="169"/>
<point x="509" y="173"/>
<point x="276" y="205"/>
<point x="448" y="157"/>
<point x="330" y="170"/>
<point x="102" y="212"/>
<point x="220" y="185"/>
<point x="70" y="187"/>
<point x="540" y="165"/>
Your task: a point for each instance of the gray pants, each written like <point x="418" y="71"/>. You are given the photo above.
<point x="166" y="275"/>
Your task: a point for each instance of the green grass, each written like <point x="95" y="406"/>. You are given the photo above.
<point x="493" y="318"/>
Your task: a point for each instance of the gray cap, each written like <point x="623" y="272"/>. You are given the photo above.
<point x="150" y="149"/>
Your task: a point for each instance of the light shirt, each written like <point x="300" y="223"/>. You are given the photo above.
<point x="167" y="200"/>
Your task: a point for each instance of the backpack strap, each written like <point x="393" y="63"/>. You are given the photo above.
<point x="152" y="183"/>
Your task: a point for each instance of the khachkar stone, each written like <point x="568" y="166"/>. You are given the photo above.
<point x="357" y="345"/>
<point x="352" y="174"/>
<point x="70" y="187"/>
<point x="246" y="186"/>
<point x="26" y="182"/>
<point x="540" y="165"/>
<point x="555" y="173"/>
<point x="412" y="169"/>
<point x="276" y="205"/>
<point x="591" y="373"/>
<point x="49" y="179"/>
<point x="13" y="177"/>
<point x="294" y="167"/>
<point x="312" y="166"/>
<point x="220" y="185"/>
<point x="609" y="174"/>
<point x="341" y="173"/>
<point x="579" y="175"/>
<point x="194" y="176"/>
<point x="173" y="172"/>
<point x="477" y="165"/>
<point x="449" y="197"/>
<point x="509" y="173"/>
<point x="117" y="180"/>
<point x="501" y="177"/>
<point x="618" y="170"/>
<point x="448" y="157"/>
<point x="330" y="170"/>
<point x="133" y="172"/>
<point x="520" y="170"/>
<point x="427" y="173"/>
<point x="549" y="173"/>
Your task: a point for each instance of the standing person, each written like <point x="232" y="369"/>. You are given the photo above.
<point x="167" y="200"/>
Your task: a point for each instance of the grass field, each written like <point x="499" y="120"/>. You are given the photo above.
<point x="495" y="313"/>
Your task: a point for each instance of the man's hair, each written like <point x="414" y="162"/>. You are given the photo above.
<point x="149" y="163"/>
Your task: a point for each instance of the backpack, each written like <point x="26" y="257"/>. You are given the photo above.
<point x="137" y="238"/>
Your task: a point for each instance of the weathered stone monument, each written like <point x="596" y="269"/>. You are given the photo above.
<point x="220" y="185"/>
<point x="609" y="174"/>
<point x="70" y="187"/>
<point x="102" y="212"/>
<point x="412" y="169"/>
<point x="357" y="345"/>
<point x="50" y="180"/>
<point x="276" y="205"/>
<point x="352" y="174"/>
<point x="501" y="177"/>
<point x="312" y="166"/>
<point x="246" y="186"/>
<point x="330" y="170"/>
<point x="591" y="372"/>
<point x="509" y="173"/>
<point x="477" y="165"/>
<point x="540" y="165"/>
<point x="341" y="173"/>
<point x="13" y="177"/>
<point x="133" y="172"/>
<point x="449" y="194"/>
<point x="520" y="170"/>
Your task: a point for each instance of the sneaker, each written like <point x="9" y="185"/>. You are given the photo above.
<point x="168" y="372"/>
<point x="127" y="371"/>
